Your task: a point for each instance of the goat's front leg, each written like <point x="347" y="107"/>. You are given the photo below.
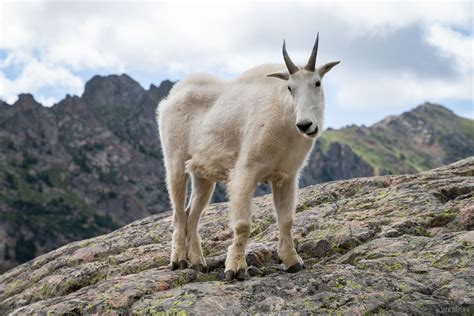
<point x="240" y="190"/>
<point x="284" y="199"/>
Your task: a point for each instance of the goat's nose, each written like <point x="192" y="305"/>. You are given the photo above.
<point x="303" y="126"/>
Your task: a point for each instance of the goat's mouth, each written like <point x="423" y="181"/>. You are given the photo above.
<point x="312" y="134"/>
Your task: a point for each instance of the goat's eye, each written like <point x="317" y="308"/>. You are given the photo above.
<point x="318" y="83"/>
<point x="289" y="89"/>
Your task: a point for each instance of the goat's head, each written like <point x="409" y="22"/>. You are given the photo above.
<point x="306" y="89"/>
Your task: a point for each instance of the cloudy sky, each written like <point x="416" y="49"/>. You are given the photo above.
<point x="394" y="54"/>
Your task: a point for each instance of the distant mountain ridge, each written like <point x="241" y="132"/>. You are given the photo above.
<point x="81" y="168"/>
<point x="426" y="137"/>
<point x="93" y="163"/>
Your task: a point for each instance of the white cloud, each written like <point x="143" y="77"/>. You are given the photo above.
<point x="51" y="42"/>
<point x="454" y="45"/>
<point x="379" y="17"/>
<point x="390" y="90"/>
<point x="36" y="76"/>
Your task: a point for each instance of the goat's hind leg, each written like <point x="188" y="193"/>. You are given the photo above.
<point x="176" y="180"/>
<point x="201" y="193"/>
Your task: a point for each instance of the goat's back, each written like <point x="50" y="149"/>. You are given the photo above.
<point x="203" y="113"/>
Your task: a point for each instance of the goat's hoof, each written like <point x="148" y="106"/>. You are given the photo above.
<point x="296" y="268"/>
<point x="183" y="264"/>
<point x="240" y="275"/>
<point x="229" y="275"/>
<point x="199" y="268"/>
<point x="174" y="265"/>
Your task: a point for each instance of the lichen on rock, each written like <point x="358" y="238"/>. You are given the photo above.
<point x="391" y="244"/>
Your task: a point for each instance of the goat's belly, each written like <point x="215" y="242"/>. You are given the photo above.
<point x="214" y="167"/>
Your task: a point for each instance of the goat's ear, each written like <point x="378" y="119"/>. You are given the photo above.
<point x="280" y="75"/>
<point x="326" y="67"/>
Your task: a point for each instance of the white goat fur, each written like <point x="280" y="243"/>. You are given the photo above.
<point x="240" y="132"/>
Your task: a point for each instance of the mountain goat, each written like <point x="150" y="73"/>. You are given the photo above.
<point x="252" y="129"/>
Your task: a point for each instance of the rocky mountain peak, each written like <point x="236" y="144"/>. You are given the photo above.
<point x="430" y="107"/>
<point x="419" y="115"/>
<point x="112" y="90"/>
<point x="166" y="85"/>
<point x="69" y="106"/>
<point x="26" y="102"/>
<point x="430" y="111"/>
<point x="163" y="89"/>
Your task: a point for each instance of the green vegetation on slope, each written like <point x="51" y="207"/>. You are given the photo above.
<point x="426" y="137"/>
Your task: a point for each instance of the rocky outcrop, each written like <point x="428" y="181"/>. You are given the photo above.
<point x="386" y="244"/>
